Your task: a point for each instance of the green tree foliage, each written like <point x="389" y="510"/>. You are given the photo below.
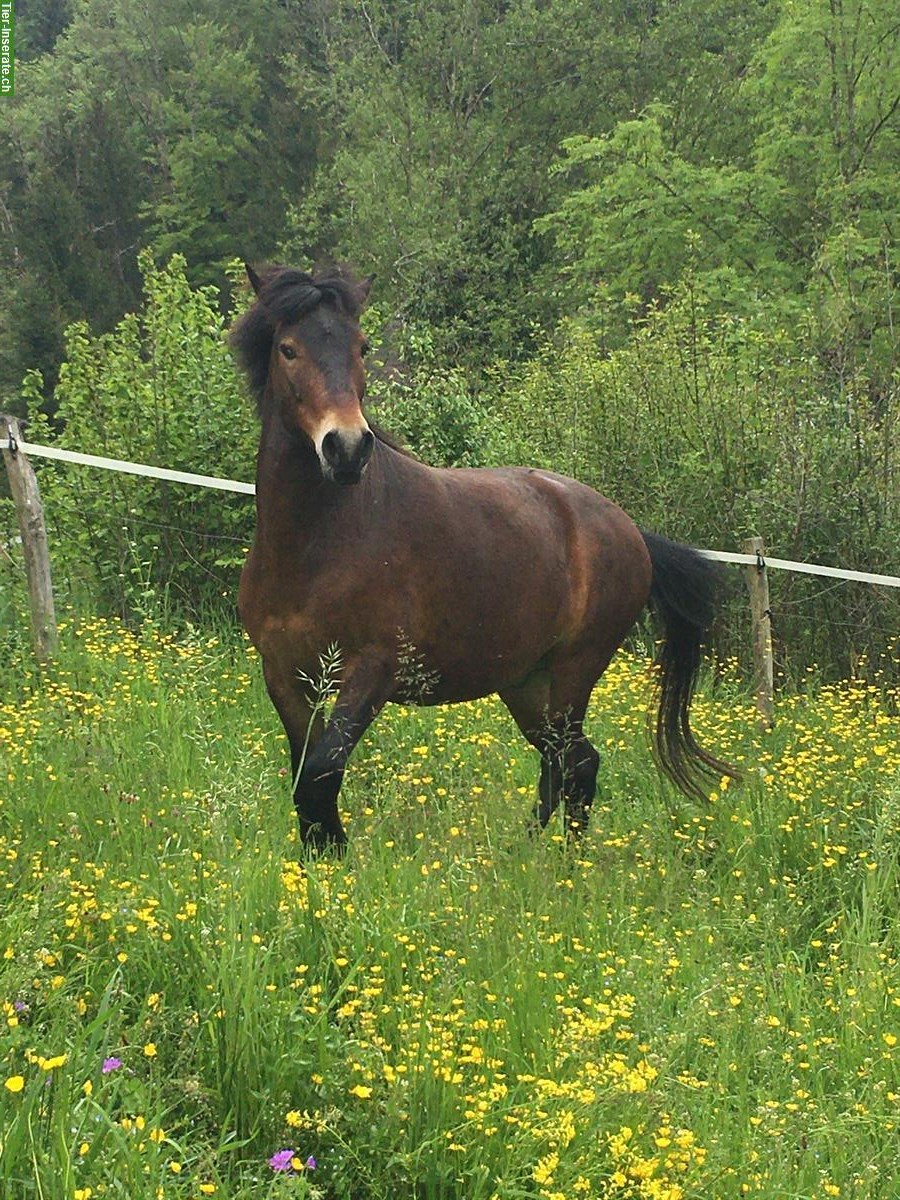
<point x="804" y="218"/>
<point x="39" y="26"/>
<point x="790" y="240"/>
<point x="169" y="126"/>
<point x="412" y="138"/>
<point x="409" y="97"/>
<point x="445" y="119"/>
<point x="642" y="214"/>
<point x="828" y="95"/>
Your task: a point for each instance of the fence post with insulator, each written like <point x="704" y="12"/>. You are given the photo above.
<point x="761" y="615"/>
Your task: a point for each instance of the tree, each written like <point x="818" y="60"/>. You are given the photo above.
<point x="828" y="99"/>
<point x="171" y="126"/>
<point x="809" y="211"/>
<point x="445" y="119"/>
<point x="161" y="388"/>
<point x="38" y="27"/>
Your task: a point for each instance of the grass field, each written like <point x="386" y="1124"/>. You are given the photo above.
<point x="701" y="1000"/>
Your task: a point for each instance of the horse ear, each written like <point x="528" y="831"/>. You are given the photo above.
<point x="255" y="281"/>
<point x="365" y="286"/>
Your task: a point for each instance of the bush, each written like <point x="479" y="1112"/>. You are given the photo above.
<point x="161" y="389"/>
<point x="710" y="429"/>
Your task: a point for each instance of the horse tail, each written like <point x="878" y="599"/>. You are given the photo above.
<point x="683" y="597"/>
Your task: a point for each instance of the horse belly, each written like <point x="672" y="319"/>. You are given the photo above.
<point x="471" y="649"/>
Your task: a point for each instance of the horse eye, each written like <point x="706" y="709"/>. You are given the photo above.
<point x="288" y="351"/>
<point x="364" y="348"/>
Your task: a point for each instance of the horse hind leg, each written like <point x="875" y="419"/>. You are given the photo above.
<point x="573" y="680"/>
<point x="569" y="762"/>
<point x="528" y="704"/>
<point x="580" y="783"/>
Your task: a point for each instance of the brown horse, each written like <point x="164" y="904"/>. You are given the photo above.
<point x="436" y="585"/>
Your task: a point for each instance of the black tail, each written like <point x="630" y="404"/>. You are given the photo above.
<point x="683" y="596"/>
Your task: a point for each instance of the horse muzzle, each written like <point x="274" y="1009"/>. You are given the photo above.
<point x="344" y="454"/>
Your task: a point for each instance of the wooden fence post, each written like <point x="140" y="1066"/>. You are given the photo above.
<point x="27" y="498"/>
<point x="763" y="666"/>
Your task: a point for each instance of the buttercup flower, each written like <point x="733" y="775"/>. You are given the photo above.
<point x="50" y="1064"/>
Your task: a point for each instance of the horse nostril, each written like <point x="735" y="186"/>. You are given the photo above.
<point x="331" y="448"/>
<point x="343" y="450"/>
<point x="345" y="453"/>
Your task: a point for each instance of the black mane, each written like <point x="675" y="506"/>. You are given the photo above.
<point x="286" y="294"/>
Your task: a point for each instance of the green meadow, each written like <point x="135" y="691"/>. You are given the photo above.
<point x="697" y="1000"/>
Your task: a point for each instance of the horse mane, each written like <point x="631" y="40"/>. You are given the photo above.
<point x="286" y="294"/>
<point x="389" y="440"/>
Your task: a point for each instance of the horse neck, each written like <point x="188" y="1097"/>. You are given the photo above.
<point x="289" y="487"/>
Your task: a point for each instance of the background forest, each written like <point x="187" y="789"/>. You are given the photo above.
<point x="651" y="244"/>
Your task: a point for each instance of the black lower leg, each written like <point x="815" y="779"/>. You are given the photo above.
<point x="549" y="789"/>
<point x="321" y="772"/>
<point x="319" y="755"/>
<point x="317" y="812"/>
<point x="580" y="785"/>
<point x="318" y="776"/>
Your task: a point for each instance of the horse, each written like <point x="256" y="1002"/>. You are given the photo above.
<point x="438" y="585"/>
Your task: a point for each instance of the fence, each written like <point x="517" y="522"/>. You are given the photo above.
<point x="26" y="496"/>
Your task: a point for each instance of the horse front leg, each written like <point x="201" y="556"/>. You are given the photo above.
<point x="320" y="750"/>
<point x="550" y="789"/>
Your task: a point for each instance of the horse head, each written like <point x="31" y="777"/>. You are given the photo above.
<point x="303" y="348"/>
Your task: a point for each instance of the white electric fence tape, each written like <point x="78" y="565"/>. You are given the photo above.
<point x="786" y="564"/>
<point x="129" y="468"/>
<point x="235" y="485"/>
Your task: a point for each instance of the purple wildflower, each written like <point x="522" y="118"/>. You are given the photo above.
<point x="310" y="1164"/>
<point x="111" y="1064"/>
<point x="281" y="1161"/>
<point x="20" y="1006"/>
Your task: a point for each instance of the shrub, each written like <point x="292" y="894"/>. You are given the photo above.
<point x="161" y="389"/>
